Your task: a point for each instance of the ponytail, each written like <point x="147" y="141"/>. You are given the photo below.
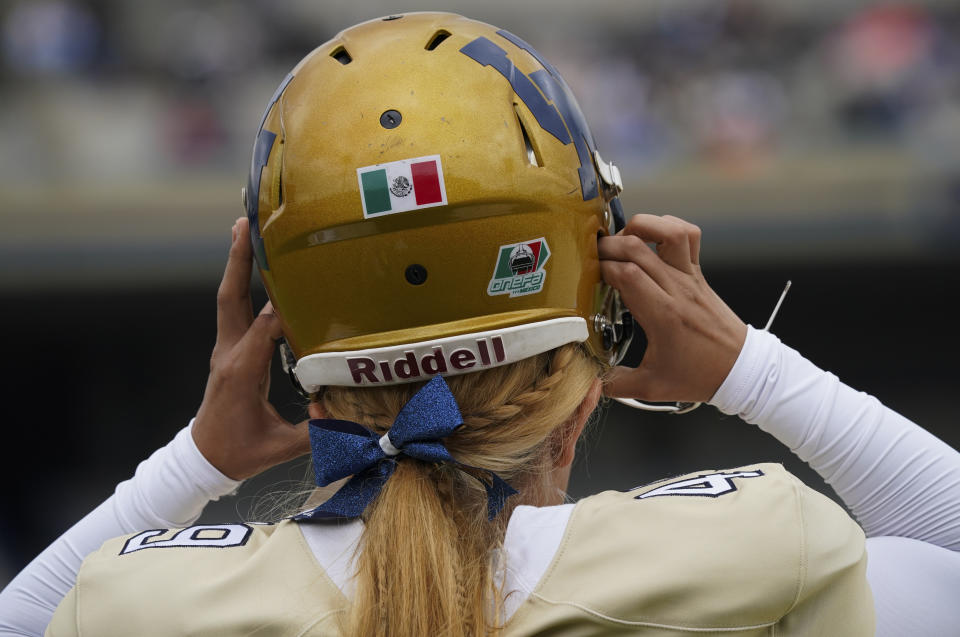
<point x="425" y="563"/>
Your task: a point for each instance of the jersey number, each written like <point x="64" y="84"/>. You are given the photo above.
<point x="711" y="485"/>
<point x="210" y="536"/>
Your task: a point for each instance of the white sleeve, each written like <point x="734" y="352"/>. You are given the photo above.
<point x="169" y="489"/>
<point x="914" y="587"/>
<point x="896" y="478"/>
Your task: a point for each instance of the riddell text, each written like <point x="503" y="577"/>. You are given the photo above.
<point x="485" y="353"/>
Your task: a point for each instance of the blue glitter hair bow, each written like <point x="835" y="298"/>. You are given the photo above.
<point x="343" y="448"/>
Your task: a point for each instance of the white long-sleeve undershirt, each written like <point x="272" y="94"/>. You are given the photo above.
<point x="901" y="482"/>
<point x="169" y="489"/>
<point x="896" y="478"/>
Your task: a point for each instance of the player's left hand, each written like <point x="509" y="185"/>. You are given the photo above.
<point x="236" y="428"/>
<point x="693" y="337"/>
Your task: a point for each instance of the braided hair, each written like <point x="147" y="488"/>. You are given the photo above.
<point x="426" y="563"/>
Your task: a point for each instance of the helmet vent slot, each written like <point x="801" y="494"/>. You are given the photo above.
<point x="276" y="181"/>
<point x="533" y="157"/>
<point x="340" y="55"/>
<point x="437" y="39"/>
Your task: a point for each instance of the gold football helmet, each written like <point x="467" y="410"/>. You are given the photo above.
<point x="425" y="198"/>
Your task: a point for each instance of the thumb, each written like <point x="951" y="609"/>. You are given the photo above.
<point x="291" y="441"/>
<point x="628" y="382"/>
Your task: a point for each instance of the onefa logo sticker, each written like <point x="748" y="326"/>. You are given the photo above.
<point x="519" y="269"/>
<point x="399" y="186"/>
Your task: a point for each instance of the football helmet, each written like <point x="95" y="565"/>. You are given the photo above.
<point x="425" y="198"/>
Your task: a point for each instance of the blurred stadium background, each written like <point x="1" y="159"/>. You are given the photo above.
<point x="817" y="141"/>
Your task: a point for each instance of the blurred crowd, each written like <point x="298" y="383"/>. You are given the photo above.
<point x="102" y="89"/>
<point x="733" y="82"/>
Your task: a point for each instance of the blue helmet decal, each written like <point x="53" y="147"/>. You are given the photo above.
<point x="261" y="151"/>
<point x="549" y="99"/>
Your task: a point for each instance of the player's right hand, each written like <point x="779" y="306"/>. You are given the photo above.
<point x="237" y="429"/>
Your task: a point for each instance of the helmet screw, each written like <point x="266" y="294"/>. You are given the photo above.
<point x="390" y="119"/>
<point x="606" y="329"/>
<point x="416" y="274"/>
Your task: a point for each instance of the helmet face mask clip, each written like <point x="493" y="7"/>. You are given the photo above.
<point x="288" y="362"/>
<point x="446" y="222"/>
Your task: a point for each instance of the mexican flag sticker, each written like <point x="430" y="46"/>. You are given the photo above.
<point x="399" y="186"/>
<point x="519" y="270"/>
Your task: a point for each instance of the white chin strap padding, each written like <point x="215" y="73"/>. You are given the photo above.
<point x="672" y="408"/>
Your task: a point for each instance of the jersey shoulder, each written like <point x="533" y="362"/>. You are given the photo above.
<point x="206" y="579"/>
<point x="711" y="550"/>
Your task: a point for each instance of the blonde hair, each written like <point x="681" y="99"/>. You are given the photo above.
<point x="425" y="564"/>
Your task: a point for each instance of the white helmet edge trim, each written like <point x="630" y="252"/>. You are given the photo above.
<point x="447" y="356"/>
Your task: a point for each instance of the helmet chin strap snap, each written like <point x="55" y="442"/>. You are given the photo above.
<point x="612" y="183"/>
<point x="678" y="408"/>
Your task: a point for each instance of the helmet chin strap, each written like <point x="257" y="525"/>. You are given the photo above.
<point x="678" y="408"/>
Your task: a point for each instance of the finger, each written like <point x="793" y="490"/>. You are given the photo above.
<point x="638" y="290"/>
<point x="693" y="235"/>
<point x="627" y="382"/>
<point x="285" y="441"/>
<point x="265" y="384"/>
<point x="255" y="350"/>
<point x="292" y="440"/>
<point x="671" y="237"/>
<point x="234" y="312"/>
<point x="633" y="249"/>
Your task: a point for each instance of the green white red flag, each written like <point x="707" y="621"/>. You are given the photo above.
<point x="399" y="186"/>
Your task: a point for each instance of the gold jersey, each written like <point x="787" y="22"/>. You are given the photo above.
<point x="740" y="552"/>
